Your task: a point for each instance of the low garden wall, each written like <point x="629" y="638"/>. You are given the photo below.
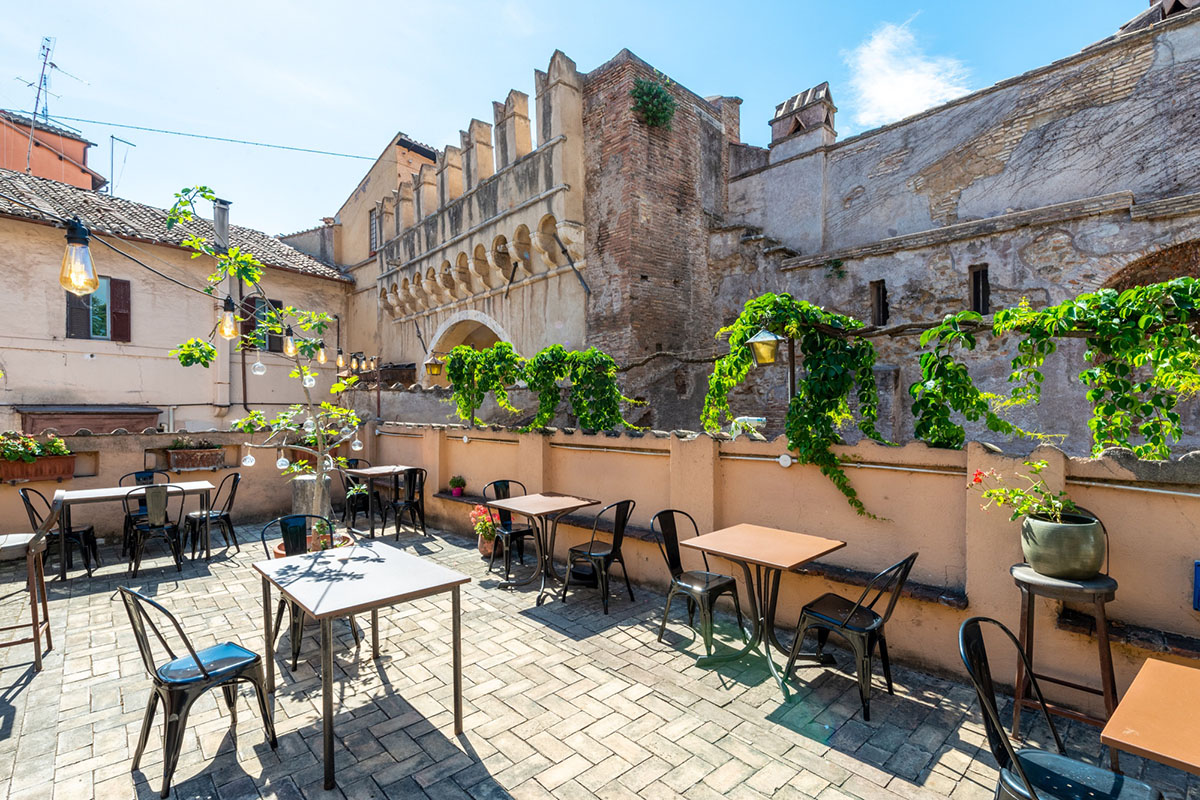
<point x="922" y="502"/>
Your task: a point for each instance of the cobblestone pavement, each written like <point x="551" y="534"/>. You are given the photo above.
<point x="560" y="701"/>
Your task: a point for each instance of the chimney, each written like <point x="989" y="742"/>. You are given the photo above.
<point x="221" y="223"/>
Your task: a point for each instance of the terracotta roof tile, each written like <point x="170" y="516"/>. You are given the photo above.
<point x="125" y="218"/>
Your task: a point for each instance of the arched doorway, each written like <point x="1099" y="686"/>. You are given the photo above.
<point x="1162" y="265"/>
<point x="470" y="328"/>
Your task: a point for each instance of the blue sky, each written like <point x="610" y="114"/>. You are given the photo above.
<point x="345" y="77"/>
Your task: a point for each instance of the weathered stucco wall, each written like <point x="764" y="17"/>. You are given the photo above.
<point x="41" y="365"/>
<point x="923" y="503"/>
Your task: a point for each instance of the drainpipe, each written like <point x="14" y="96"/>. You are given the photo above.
<point x="221" y="228"/>
<point x="242" y="306"/>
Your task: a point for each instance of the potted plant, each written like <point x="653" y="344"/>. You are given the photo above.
<point x="24" y="458"/>
<point x="483" y="520"/>
<point x="457" y="484"/>
<point x="1058" y="539"/>
<point x="188" y="453"/>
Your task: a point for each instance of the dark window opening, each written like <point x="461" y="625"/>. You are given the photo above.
<point x="104" y="314"/>
<point x="254" y="312"/>
<point x="879" y="303"/>
<point x="981" y="292"/>
<point x="373" y="224"/>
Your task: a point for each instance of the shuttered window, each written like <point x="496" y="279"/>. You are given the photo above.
<point x="254" y="310"/>
<point x="104" y="314"/>
<point x="373" y="224"/>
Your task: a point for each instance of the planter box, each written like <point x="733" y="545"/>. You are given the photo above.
<point x="46" y="468"/>
<point x="195" y="459"/>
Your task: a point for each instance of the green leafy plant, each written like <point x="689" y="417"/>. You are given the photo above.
<point x="835" y="364"/>
<point x="21" y="447"/>
<point x="1033" y="500"/>
<point x="187" y="443"/>
<point x="458" y="482"/>
<point x="835" y="268"/>
<point x="653" y="101"/>
<point x="484" y="521"/>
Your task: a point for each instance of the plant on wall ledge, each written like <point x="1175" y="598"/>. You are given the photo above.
<point x="653" y="101"/>
<point x="835" y="364"/>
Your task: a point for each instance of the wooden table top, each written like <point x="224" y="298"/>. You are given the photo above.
<point x="381" y="471"/>
<point x="350" y="580"/>
<point x="769" y="547"/>
<point x="1157" y="717"/>
<point x="541" y="505"/>
<point x="119" y="492"/>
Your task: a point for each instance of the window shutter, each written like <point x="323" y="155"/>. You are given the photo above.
<point x="79" y="317"/>
<point x="249" y="320"/>
<point x="275" y="343"/>
<point x="120" y="311"/>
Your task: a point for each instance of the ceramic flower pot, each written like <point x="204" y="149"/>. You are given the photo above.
<point x="456" y="491"/>
<point x="486" y="547"/>
<point x="1073" y="549"/>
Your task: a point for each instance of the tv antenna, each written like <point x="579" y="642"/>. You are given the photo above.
<point x="112" y="175"/>
<point x="41" y="104"/>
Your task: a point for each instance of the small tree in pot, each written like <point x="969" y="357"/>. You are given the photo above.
<point x="1058" y="538"/>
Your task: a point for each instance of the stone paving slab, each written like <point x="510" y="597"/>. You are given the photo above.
<point x="559" y="701"/>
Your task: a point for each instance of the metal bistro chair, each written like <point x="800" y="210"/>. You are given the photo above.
<point x="360" y="503"/>
<point x="81" y="536"/>
<point x="1029" y="773"/>
<point x="30" y="546"/>
<point x="143" y="477"/>
<point x="220" y="514"/>
<point x="157" y="522"/>
<point x="295" y="530"/>
<point x="700" y="588"/>
<point x="601" y="556"/>
<point x="183" y="679"/>
<point x="858" y="623"/>
<point x="413" y="499"/>
<point x="507" y="532"/>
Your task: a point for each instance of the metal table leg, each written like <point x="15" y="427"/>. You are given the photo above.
<point x="374" y="633"/>
<point x="327" y="697"/>
<point x="371" y="505"/>
<point x="539" y="567"/>
<point x="268" y="636"/>
<point x="456" y="626"/>
<point x="64" y="524"/>
<point x="206" y="503"/>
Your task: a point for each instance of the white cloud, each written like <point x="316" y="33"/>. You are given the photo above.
<point x="891" y="77"/>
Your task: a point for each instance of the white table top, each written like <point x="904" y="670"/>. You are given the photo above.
<point x="119" y="492"/>
<point x="348" y="580"/>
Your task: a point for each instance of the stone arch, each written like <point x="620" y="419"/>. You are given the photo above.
<point x="501" y="259"/>
<point x="434" y="287"/>
<point x="462" y="273"/>
<point x="521" y="249"/>
<point x="482" y="267"/>
<point x="469" y="327"/>
<point x="1174" y="261"/>
<point x="547" y="244"/>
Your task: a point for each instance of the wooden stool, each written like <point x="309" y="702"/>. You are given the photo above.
<point x="1095" y="592"/>
<point x="30" y="546"/>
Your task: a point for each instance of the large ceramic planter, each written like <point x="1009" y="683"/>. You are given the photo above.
<point x="488" y="546"/>
<point x="45" y="468"/>
<point x="1073" y="549"/>
<point x="195" y="459"/>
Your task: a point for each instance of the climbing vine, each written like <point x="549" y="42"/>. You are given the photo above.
<point x="595" y="397"/>
<point x="834" y="365"/>
<point x="653" y="101"/>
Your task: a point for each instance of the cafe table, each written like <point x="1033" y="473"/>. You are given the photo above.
<point x="111" y="494"/>
<point x="543" y="511"/>
<point x="1157" y="718"/>
<point x="372" y="474"/>
<point x="366" y="576"/>
<point x="770" y="551"/>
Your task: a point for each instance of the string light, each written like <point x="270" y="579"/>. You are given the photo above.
<point x="289" y="343"/>
<point x="78" y="273"/>
<point x="341" y="359"/>
<point x="321" y="356"/>
<point x="247" y="460"/>
<point x="259" y="368"/>
<point x="227" y="327"/>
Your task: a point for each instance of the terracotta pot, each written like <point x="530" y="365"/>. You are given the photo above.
<point x="195" y="459"/>
<point x="1073" y="549"/>
<point x="456" y="491"/>
<point x="486" y="548"/>
<point x="339" y="540"/>
<point x="46" y="468"/>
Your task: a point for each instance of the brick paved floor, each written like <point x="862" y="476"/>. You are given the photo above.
<point x="560" y="701"/>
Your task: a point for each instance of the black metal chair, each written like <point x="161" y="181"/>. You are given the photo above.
<point x="360" y="503"/>
<point x="220" y="515"/>
<point x="181" y="681"/>
<point x="410" y="497"/>
<point x="80" y="536"/>
<point x="600" y="556"/>
<point x="508" y="533"/>
<point x="158" y="521"/>
<point x="700" y="588"/>
<point x="1029" y="773"/>
<point x="295" y="530"/>
<point x="858" y="623"/>
<point x="143" y="477"/>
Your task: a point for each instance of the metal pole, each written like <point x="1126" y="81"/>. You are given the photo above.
<point x="268" y="636"/>
<point x="327" y="698"/>
<point x="791" y="369"/>
<point x="457" y="648"/>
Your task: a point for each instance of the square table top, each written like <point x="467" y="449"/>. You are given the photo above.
<point x="381" y="471"/>
<point x="769" y="547"/>
<point x="541" y="505"/>
<point x="118" y="492"/>
<point x="1157" y="717"/>
<point x="348" y="580"/>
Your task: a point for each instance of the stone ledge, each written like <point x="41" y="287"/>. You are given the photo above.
<point x="1151" y="639"/>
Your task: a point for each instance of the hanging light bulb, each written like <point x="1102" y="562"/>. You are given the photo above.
<point x="227" y="327"/>
<point x="247" y="460"/>
<point x="341" y="359"/>
<point x="371" y="368"/>
<point x="78" y="273"/>
<point x="258" y="368"/>
<point x="354" y="363"/>
<point x="321" y="356"/>
<point x="328" y="463"/>
<point x="356" y="445"/>
<point x="309" y="381"/>
<point x="282" y="463"/>
<point x="310" y="425"/>
<point x="346" y="431"/>
<point x="289" y="343"/>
